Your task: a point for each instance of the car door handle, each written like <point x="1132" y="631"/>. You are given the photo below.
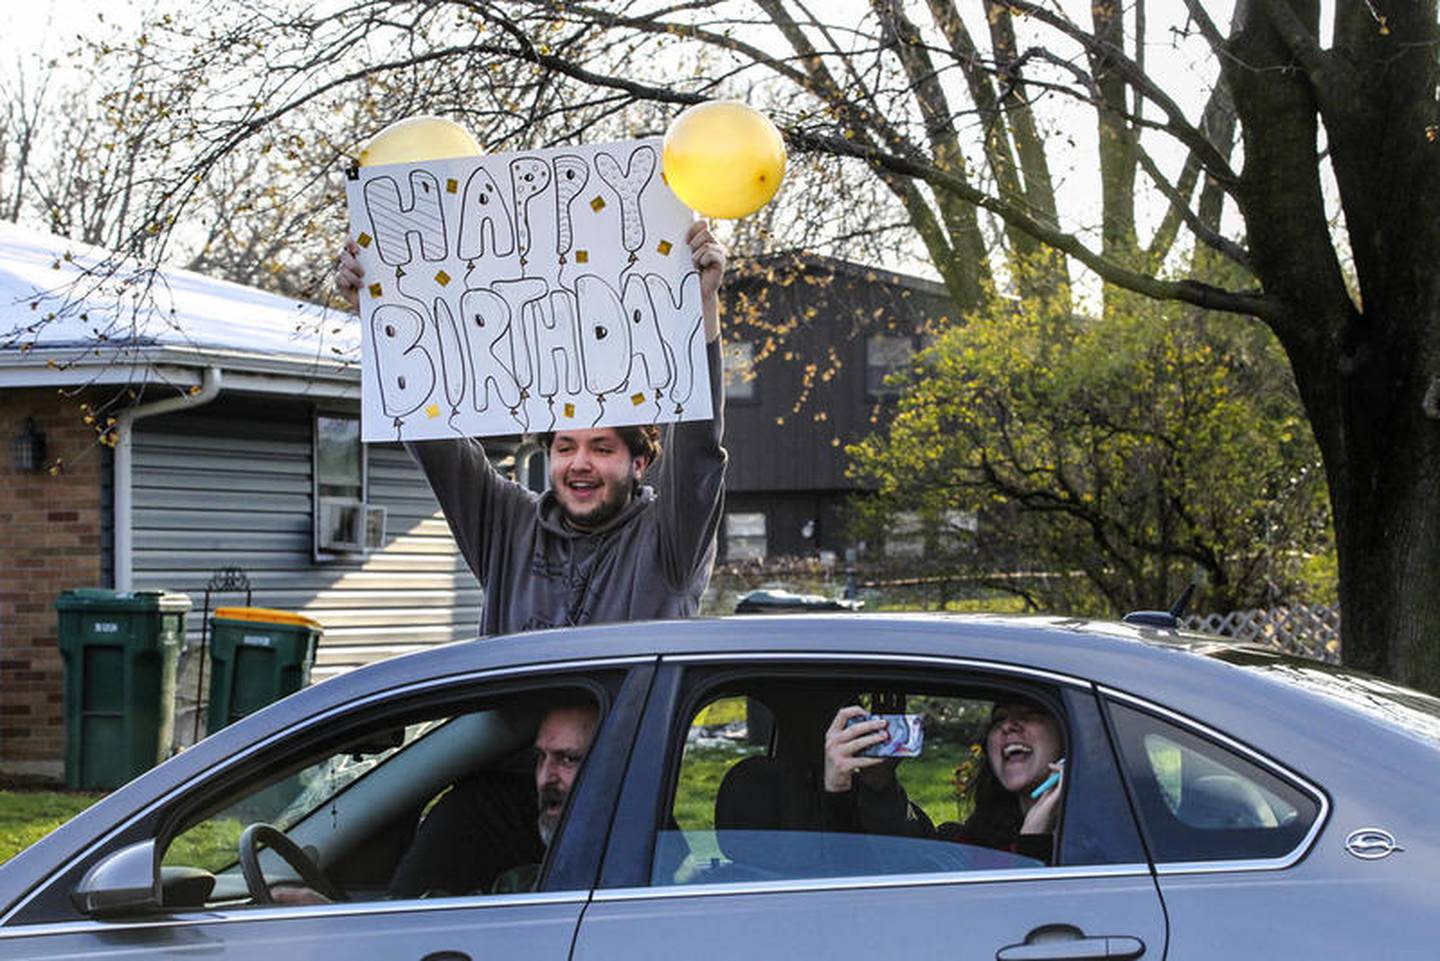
<point x="1079" y="947"/>
<point x="447" y="956"/>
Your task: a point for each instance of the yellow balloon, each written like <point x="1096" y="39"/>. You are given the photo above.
<point x="416" y="139"/>
<point x="723" y="159"/>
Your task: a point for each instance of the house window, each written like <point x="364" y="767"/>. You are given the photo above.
<point x="739" y="371"/>
<point x="885" y="354"/>
<point x="343" y="523"/>
<point x="910" y="537"/>
<point x="957" y="531"/>
<point x="339" y="457"/>
<point x="745" y="537"/>
<point x="906" y="537"/>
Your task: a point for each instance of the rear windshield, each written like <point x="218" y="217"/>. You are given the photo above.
<point x="1410" y="711"/>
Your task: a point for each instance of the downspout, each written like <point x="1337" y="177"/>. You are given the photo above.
<point x="124" y="463"/>
<point x="524" y="454"/>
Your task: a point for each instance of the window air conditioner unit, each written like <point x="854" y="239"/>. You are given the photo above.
<point x="350" y="526"/>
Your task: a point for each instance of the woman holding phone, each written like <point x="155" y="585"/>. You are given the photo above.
<point x="1015" y="809"/>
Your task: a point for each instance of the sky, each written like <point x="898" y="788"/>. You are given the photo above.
<point x="50" y="27"/>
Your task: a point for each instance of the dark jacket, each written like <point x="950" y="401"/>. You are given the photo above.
<point x="651" y="561"/>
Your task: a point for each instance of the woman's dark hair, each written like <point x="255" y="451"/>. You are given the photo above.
<point x="995" y="819"/>
<point x="642" y="440"/>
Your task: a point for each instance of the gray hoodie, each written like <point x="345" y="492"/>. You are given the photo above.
<point x="652" y="560"/>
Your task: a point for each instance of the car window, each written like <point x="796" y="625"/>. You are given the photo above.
<point x="1200" y="801"/>
<point x="748" y="802"/>
<point x="432" y="806"/>
<point x="211" y="843"/>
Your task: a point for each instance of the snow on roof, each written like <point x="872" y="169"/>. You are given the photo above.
<point x="58" y="296"/>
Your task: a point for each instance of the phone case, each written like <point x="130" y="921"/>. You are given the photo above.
<point x="907" y="735"/>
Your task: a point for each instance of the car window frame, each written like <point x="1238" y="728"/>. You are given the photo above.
<point x="157" y="819"/>
<point x="1235" y="746"/>
<point x="705" y="691"/>
<point x="648" y="795"/>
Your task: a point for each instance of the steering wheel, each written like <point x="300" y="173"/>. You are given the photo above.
<point x="260" y="833"/>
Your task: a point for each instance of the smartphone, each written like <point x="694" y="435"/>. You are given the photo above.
<point x="907" y="735"/>
<point x="1049" y="782"/>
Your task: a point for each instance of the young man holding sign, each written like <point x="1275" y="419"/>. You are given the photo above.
<point x="598" y="546"/>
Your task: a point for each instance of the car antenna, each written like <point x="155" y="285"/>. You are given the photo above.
<point x="1164" y="619"/>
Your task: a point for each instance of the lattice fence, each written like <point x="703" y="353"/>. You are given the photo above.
<point x="1309" y="629"/>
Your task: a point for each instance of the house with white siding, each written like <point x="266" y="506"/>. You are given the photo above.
<point x="158" y="427"/>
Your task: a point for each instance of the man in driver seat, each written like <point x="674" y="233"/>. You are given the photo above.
<point x="469" y="842"/>
<point x="472" y="842"/>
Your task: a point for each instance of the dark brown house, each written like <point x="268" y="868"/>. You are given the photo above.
<point x="809" y="342"/>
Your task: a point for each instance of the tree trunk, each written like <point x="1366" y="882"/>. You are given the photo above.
<point x="1363" y="368"/>
<point x="1387" y="530"/>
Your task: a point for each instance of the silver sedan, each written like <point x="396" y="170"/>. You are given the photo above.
<point x="691" y="789"/>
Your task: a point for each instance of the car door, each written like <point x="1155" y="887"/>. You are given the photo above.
<point x="931" y="899"/>
<point x="341" y="803"/>
<point x="1231" y="830"/>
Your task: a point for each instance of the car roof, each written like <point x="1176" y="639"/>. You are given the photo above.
<point x="1187" y="671"/>
<point x="1190" y="673"/>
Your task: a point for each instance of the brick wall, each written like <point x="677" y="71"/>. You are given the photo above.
<point x="50" y="530"/>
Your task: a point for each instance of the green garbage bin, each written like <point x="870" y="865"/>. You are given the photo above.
<point x="119" y="651"/>
<point x="257" y="656"/>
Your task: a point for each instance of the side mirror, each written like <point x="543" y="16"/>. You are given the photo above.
<point x="120" y="883"/>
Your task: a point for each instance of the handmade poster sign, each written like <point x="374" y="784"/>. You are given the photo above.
<point x="526" y="292"/>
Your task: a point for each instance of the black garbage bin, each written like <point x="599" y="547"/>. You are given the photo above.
<point x="120" y="651"/>
<point x="785" y="602"/>
<point x="257" y="656"/>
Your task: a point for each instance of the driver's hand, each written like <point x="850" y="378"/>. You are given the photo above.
<point x="843" y="746"/>
<point x="283" y="893"/>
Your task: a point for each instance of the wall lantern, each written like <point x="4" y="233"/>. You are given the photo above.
<point x="29" y="448"/>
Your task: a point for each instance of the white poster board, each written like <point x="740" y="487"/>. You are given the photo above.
<point x="526" y="292"/>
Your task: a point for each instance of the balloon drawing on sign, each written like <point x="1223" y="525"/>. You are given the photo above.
<point x="681" y="315"/>
<point x="628" y="186"/>
<point x="557" y="356"/>
<point x="528" y="176"/>
<point x="571" y="175"/>
<point x="604" y="339"/>
<point x="522" y="296"/>
<point x="452" y="356"/>
<point x="403" y="367"/>
<point x="490" y="342"/>
<point x="652" y="361"/>
<point x="393" y="222"/>
<point x="483" y="215"/>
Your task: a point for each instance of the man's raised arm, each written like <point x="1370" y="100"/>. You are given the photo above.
<point x="692" y="470"/>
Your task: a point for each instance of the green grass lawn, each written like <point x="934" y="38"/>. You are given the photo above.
<point x="27" y="816"/>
